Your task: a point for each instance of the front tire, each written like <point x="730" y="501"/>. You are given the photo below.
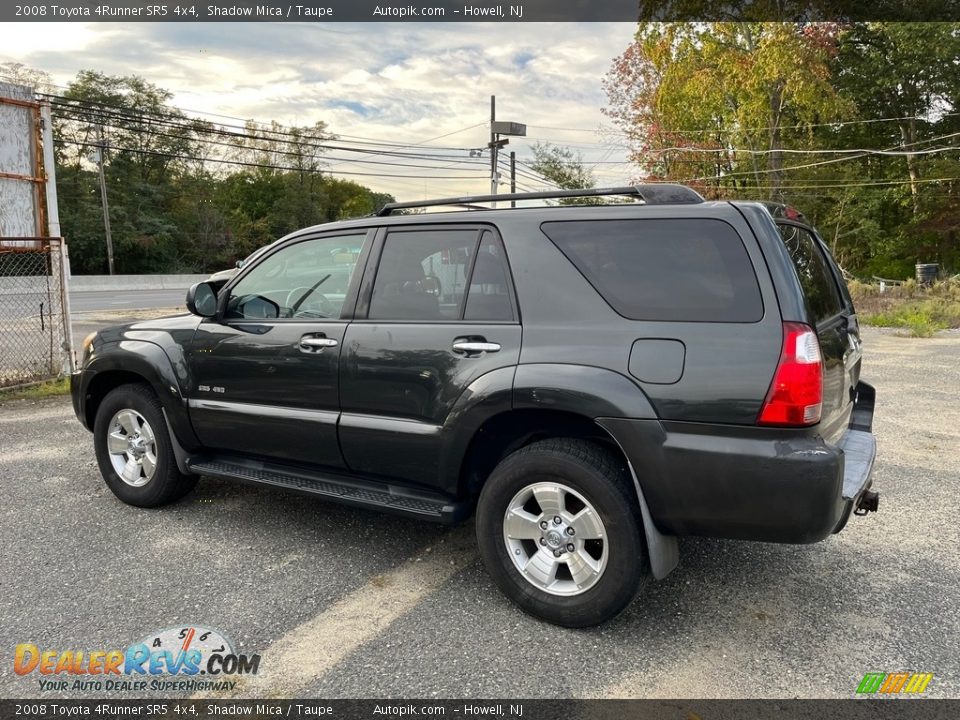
<point x="134" y="451"/>
<point x="560" y="532"/>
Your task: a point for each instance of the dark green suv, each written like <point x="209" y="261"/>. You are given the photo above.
<point x="590" y="381"/>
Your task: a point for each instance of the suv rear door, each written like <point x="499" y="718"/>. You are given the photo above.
<point x="831" y="313"/>
<point x="436" y="311"/>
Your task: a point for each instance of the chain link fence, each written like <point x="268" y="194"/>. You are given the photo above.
<point x="33" y="323"/>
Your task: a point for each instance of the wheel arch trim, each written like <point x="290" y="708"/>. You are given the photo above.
<point x="581" y="389"/>
<point x="150" y="362"/>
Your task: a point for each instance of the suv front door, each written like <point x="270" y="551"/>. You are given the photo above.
<point x="441" y="312"/>
<point x="266" y="369"/>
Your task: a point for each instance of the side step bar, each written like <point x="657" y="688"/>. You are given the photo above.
<point x="345" y="489"/>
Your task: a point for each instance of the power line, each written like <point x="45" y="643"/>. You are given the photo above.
<point x="737" y="151"/>
<point x="800" y="126"/>
<point x="291" y="153"/>
<point x="178" y="119"/>
<point x="439" y="137"/>
<point x="835" y="185"/>
<point x="570" y="129"/>
<point x="317" y="171"/>
<point x="535" y="177"/>
<point x="528" y="169"/>
<point x="810" y="165"/>
<point x="596" y="130"/>
<point x="587" y="145"/>
<point x="420" y="143"/>
<point x="789" y="151"/>
<point x="76" y="115"/>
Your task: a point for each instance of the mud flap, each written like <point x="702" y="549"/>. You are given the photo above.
<point x="663" y="549"/>
<point x="178" y="452"/>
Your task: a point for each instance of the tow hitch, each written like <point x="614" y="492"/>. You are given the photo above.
<point x="868" y="503"/>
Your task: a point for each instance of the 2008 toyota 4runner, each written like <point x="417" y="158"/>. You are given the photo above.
<point x="591" y="381"/>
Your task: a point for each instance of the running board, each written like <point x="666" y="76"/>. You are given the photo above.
<point x="345" y="489"/>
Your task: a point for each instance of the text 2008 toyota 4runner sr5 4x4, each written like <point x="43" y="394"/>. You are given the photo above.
<point x="592" y="381"/>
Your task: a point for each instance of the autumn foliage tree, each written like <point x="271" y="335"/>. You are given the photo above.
<point x="856" y="124"/>
<point x="713" y="104"/>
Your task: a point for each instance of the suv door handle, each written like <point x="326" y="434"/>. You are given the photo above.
<point x="316" y="343"/>
<point x="470" y="347"/>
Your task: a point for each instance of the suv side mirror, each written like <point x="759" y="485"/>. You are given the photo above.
<point x="202" y="300"/>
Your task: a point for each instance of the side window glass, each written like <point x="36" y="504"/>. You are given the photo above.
<point x="306" y="280"/>
<point x="423" y="275"/>
<point x="676" y="270"/>
<point x="819" y="288"/>
<point x="489" y="295"/>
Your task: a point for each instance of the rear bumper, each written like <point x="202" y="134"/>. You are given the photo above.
<point x="859" y="451"/>
<point x="748" y="483"/>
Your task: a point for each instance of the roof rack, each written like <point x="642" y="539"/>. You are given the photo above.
<point x="651" y="194"/>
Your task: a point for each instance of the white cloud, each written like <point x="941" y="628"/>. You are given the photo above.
<point x="391" y="81"/>
<point x="22" y="39"/>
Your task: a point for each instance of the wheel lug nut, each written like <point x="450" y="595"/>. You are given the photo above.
<point x="570" y="531"/>
<point x="557" y="553"/>
<point x="542" y="541"/>
<point x="557" y="520"/>
<point x="570" y="547"/>
<point x="543" y="524"/>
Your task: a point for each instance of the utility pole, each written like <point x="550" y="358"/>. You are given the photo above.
<point x="496" y="130"/>
<point x="513" y="177"/>
<point x="101" y="149"/>
<point x="493" y="147"/>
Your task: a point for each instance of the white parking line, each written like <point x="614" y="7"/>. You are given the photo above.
<point x="306" y="652"/>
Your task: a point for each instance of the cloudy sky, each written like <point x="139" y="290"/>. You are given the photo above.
<point x="393" y="82"/>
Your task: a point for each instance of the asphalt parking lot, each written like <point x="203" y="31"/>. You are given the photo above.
<point x="347" y="603"/>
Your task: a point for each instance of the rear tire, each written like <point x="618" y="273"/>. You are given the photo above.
<point x="560" y="532"/>
<point x="134" y="451"/>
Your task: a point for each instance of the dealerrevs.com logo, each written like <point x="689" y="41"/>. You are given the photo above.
<point x="188" y="652"/>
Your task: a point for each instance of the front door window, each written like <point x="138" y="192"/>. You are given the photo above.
<point x="307" y="280"/>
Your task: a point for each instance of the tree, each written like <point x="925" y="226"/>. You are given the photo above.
<point x="178" y="202"/>
<point x="906" y="71"/>
<point x="20" y="74"/>
<point x="689" y="95"/>
<point x="564" y="168"/>
<point x="903" y="79"/>
<point x="145" y="145"/>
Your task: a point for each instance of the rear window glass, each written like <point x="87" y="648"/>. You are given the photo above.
<point x="656" y="269"/>
<point x="819" y="287"/>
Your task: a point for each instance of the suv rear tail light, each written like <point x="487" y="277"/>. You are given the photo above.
<point x="796" y="394"/>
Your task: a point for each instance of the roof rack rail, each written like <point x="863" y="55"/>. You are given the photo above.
<point x="651" y="194"/>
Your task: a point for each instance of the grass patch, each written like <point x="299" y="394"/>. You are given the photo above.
<point x="918" y="321"/>
<point x="53" y="388"/>
<point x="920" y="311"/>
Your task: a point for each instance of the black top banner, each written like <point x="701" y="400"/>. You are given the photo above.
<point x="481" y="11"/>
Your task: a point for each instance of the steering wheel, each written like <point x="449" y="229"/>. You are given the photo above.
<point x="312" y="299"/>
